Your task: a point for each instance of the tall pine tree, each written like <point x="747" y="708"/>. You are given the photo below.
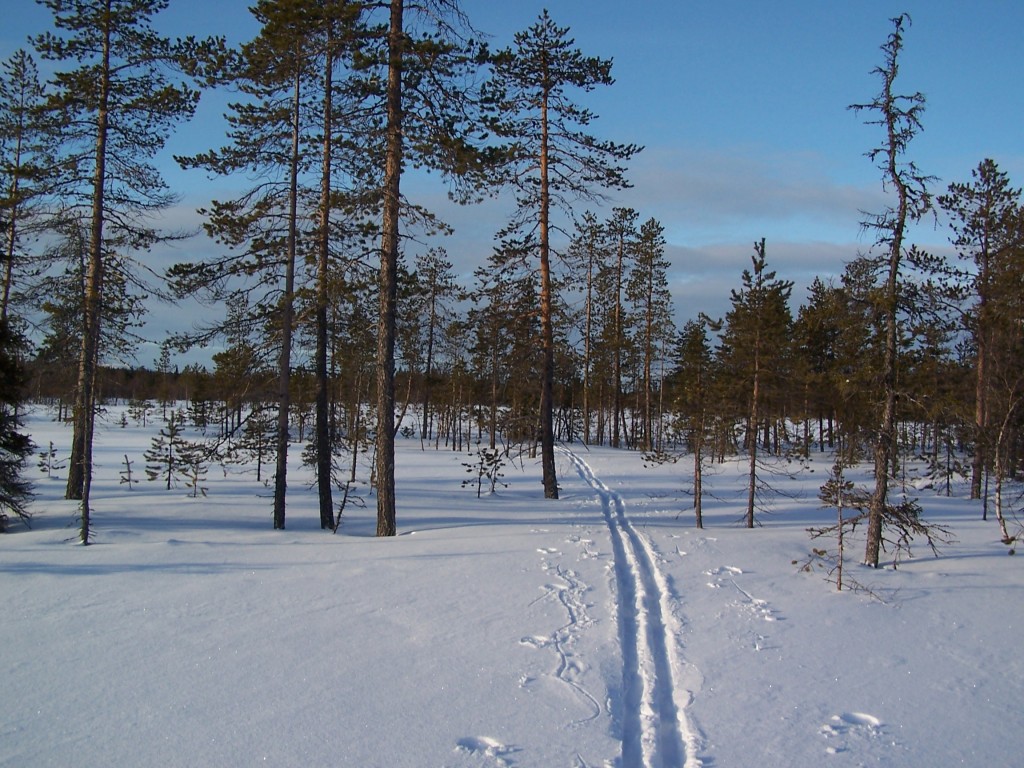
<point x="899" y="117"/>
<point x="984" y="216"/>
<point x="418" y="70"/>
<point x="118" y="93"/>
<point x="27" y="140"/>
<point x="554" y="163"/>
<point x="284" y="133"/>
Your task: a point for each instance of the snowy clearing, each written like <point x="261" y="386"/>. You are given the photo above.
<point x="598" y="630"/>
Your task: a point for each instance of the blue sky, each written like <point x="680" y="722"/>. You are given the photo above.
<point x="742" y="109"/>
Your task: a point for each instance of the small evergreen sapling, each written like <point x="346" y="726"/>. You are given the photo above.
<point x="194" y="457"/>
<point x="162" y="459"/>
<point x="842" y="494"/>
<point x="49" y="464"/>
<point x="139" y="410"/>
<point x="257" y="439"/>
<point x="126" y="474"/>
<point x="489" y="464"/>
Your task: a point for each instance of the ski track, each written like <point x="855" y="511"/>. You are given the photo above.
<point x="656" y="732"/>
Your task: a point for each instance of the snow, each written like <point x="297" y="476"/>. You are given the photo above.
<point x="602" y="629"/>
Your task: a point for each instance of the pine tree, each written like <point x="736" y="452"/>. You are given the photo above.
<point x="587" y="252"/>
<point x="503" y="322"/>
<point x="26" y="165"/>
<point x="754" y="352"/>
<point x="60" y="295"/>
<point x="258" y="438"/>
<point x="554" y="163"/>
<point x="193" y="457"/>
<point x="116" y="103"/>
<point x="127" y="477"/>
<point x="430" y="120"/>
<point x="899" y="116"/>
<point x="834" y="343"/>
<point x="15" y="446"/>
<point x="693" y="382"/>
<point x="284" y="135"/>
<point x="647" y="290"/>
<point x="984" y="217"/>
<point x="164" y="371"/>
<point x="164" y="455"/>
<point x="436" y="287"/>
<point x="623" y="239"/>
<point x="242" y="370"/>
<point x="338" y="27"/>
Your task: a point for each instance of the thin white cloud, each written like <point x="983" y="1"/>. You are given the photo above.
<point x="708" y="195"/>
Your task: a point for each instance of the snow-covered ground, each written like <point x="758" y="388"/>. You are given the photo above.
<point x="599" y="630"/>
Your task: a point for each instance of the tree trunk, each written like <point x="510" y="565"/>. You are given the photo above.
<point x="617" y="414"/>
<point x="587" y="332"/>
<point x="324" y="438"/>
<point x="429" y="364"/>
<point x="80" y="466"/>
<point x="698" y="474"/>
<point x="11" y="229"/>
<point x="752" y="432"/>
<point x="493" y="417"/>
<point x="287" y="314"/>
<point x="547" y="432"/>
<point x="648" y="422"/>
<point x="896" y="120"/>
<point x="385" y="459"/>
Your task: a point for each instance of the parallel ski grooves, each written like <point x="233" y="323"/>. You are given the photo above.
<point x="655" y="731"/>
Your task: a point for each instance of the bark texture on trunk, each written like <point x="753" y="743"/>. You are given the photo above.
<point x="385" y="459"/>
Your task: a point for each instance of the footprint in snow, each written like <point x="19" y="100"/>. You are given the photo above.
<point x="486" y="747"/>
<point x="535" y="641"/>
<point x="761" y="608"/>
<point x="724" y="570"/>
<point x="855" y="726"/>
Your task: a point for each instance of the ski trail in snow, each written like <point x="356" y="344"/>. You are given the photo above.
<point x="655" y="730"/>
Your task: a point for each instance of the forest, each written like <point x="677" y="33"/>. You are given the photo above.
<point x="337" y="325"/>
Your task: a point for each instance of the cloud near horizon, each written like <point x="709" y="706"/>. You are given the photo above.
<point x="705" y="195"/>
